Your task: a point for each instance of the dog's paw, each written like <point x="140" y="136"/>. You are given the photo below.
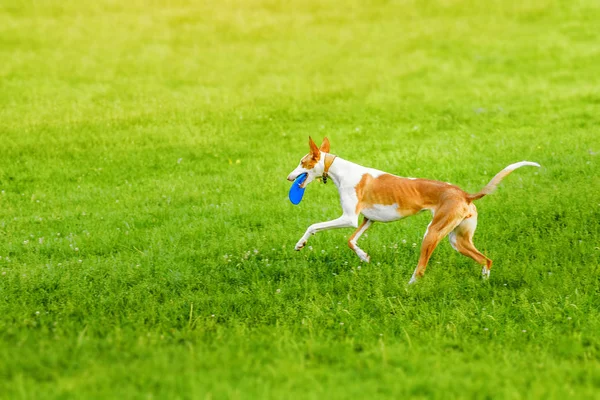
<point x="414" y="279"/>
<point x="363" y="256"/>
<point x="485" y="273"/>
<point x="300" y="245"/>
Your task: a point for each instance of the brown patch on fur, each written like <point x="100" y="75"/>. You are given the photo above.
<point x="309" y="161"/>
<point x="411" y="195"/>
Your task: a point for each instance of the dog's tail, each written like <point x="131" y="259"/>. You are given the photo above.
<point x="490" y="187"/>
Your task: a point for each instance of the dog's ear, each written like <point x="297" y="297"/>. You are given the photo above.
<point x="325" y="145"/>
<point x="314" y="150"/>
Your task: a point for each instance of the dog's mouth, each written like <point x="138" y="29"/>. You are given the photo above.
<point x="302" y="180"/>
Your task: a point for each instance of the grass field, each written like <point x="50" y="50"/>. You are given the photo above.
<point x="146" y="238"/>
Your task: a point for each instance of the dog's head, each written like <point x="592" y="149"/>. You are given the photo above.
<point x="312" y="163"/>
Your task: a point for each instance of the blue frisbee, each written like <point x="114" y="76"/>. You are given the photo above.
<point x="296" y="192"/>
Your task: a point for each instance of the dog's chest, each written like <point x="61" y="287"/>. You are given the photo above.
<point x="382" y="213"/>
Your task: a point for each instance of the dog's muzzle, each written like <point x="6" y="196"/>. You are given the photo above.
<point x="293" y="175"/>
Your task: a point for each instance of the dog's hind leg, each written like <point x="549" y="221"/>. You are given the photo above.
<point x="444" y="222"/>
<point x="461" y="238"/>
<point x="356" y="235"/>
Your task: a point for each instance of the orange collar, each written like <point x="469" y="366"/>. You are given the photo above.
<point x="329" y="159"/>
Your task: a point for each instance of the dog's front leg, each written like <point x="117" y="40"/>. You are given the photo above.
<point x="345" y="221"/>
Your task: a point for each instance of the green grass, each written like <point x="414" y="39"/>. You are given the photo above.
<point x="146" y="239"/>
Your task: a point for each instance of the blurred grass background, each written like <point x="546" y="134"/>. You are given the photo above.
<point x="145" y="230"/>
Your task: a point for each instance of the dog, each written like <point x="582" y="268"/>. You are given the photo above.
<point x="383" y="197"/>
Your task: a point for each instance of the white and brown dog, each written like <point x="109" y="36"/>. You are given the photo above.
<point x="384" y="197"/>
